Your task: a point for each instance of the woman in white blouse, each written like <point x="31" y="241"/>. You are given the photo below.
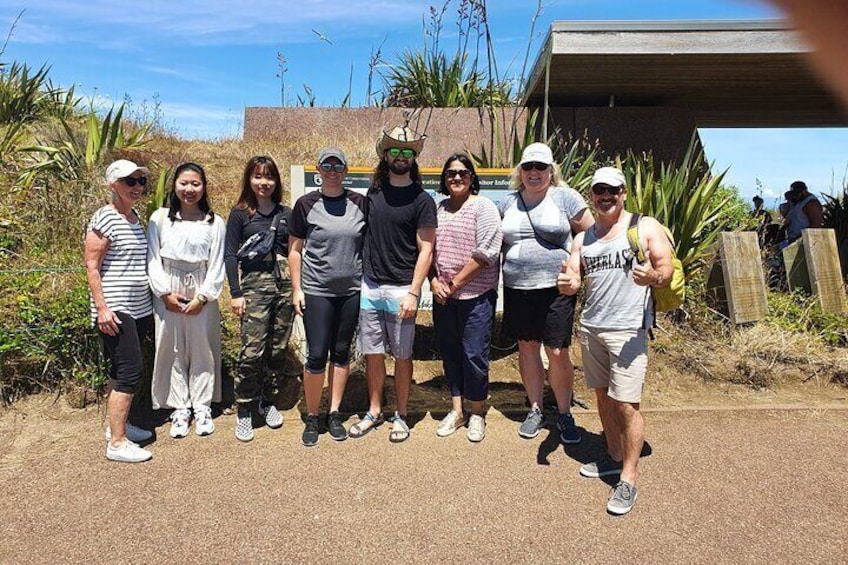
<point x="186" y="268"/>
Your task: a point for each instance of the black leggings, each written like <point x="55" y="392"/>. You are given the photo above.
<point x="124" y="351"/>
<point x="330" y="322"/>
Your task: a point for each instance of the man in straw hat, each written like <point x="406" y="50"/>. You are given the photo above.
<point x="617" y="312"/>
<point x="396" y="258"/>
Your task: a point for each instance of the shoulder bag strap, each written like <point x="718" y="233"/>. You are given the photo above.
<point x="529" y="219"/>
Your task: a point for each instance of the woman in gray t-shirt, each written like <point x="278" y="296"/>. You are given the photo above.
<point x="325" y="259"/>
<point x="539" y="220"/>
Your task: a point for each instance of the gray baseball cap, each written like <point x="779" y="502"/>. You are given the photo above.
<point x="331" y="151"/>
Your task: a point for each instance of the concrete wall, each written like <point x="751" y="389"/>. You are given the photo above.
<point x="447" y="129"/>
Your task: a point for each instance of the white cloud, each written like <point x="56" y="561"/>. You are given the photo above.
<point x="210" y="21"/>
<point x="206" y="122"/>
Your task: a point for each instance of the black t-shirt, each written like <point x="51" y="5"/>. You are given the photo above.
<point x="395" y="214"/>
<point x="240" y="226"/>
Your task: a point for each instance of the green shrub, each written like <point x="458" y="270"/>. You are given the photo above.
<point x="46" y="338"/>
<point x="798" y="312"/>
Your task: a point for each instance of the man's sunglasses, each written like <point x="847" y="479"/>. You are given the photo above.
<point x="132" y="181"/>
<point x="463" y="173"/>
<point x="534" y="165"/>
<point x="327" y="167"/>
<point x="599" y="189"/>
<point x="396" y="152"/>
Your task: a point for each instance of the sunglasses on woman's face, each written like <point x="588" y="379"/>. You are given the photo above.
<point x="599" y="189"/>
<point x="452" y="173"/>
<point x="534" y="165"/>
<point x="327" y="167"/>
<point x="396" y="152"/>
<point x="132" y="181"/>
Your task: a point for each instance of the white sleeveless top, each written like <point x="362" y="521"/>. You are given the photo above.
<point x="798" y="220"/>
<point x="613" y="301"/>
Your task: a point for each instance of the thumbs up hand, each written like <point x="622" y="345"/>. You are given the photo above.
<point x="644" y="273"/>
<point x="567" y="283"/>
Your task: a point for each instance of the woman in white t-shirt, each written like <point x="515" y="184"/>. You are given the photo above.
<point x="115" y="253"/>
<point x="186" y="267"/>
<point x="539" y="221"/>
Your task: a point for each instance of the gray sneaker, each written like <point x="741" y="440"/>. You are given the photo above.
<point x="244" y="424"/>
<point x="532" y="424"/>
<point x="272" y="416"/>
<point x="603" y="467"/>
<point x="622" y="498"/>
<point x="133" y="433"/>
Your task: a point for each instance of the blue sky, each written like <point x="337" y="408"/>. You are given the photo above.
<point x="204" y="61"/>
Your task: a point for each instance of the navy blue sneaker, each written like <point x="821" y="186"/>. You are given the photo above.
<point x="568" y="432"/>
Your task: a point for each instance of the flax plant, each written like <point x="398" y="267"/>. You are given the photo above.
<point x="685" y="197"/>
<point x="76" y="151"/>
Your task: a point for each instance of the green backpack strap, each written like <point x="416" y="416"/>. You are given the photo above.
<point x="633" y="237"/>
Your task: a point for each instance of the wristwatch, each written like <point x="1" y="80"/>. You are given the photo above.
<point x="202" y="298"/>
<point x="452" y="285"/>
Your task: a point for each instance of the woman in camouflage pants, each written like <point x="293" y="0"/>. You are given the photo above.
<point x="261" y="297"/>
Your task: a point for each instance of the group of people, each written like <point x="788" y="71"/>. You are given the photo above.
<point x="351" y="264"/>
<point x="799" y="210"/>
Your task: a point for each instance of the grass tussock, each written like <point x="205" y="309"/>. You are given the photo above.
<point x="759" y="356"/>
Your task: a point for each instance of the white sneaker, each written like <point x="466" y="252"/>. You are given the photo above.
<point x="450" y="424"/>
<point x="203" y="424"/>
<point x="180" y="423"/>
<point x="127" y="452"/>
<point x="133" y="433"/>
<point x="476" y="428"/>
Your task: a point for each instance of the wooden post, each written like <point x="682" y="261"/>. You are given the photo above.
<point x="795" y="264"/>
<point x="825" y="274"/>
<point x="738" y="281"/>
<point x="742" y="267"/>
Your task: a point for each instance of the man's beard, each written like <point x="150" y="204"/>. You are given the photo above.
<point x="400" y="167"/>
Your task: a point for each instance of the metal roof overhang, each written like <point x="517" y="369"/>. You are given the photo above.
<point x="726" y="73"/>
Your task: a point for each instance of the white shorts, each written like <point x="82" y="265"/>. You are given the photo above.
<point x="616" y="360"/>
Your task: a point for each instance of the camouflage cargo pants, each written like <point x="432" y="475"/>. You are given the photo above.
<point x="265" y="331"/>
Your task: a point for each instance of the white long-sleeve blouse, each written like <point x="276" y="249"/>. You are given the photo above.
<point x="189" y="241"/>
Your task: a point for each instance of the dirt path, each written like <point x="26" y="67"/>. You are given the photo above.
<point x="718" y="486"/>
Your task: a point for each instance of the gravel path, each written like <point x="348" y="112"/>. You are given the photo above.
<point x="749" y="486"/>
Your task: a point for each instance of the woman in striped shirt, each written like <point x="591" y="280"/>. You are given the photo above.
<point x="464" y="279"/>
<point x="121" y="308"/>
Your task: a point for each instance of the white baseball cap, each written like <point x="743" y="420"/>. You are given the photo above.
<point x="122" y="169"/>
<point x="537" y="153"/>
<point x="609" y="176"/>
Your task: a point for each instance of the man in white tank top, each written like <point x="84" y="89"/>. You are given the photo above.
<point x="613" y="325"/>
<point x="805" y="212"/>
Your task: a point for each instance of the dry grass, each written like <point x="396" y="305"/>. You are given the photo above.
<point x="759" y="356"/>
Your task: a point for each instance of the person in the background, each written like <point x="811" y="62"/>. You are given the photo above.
<point x="464" y="280"/>
<point x="759" y="212"/>
<point x="325" y="258"/>
<point x="121" y="309"/>
<point x="261" y="297"/>
<point x="539" y="221"/>
<point x="805" y="212"/>
<point x="762" y="217"/>
<point x="185" y="263"/>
